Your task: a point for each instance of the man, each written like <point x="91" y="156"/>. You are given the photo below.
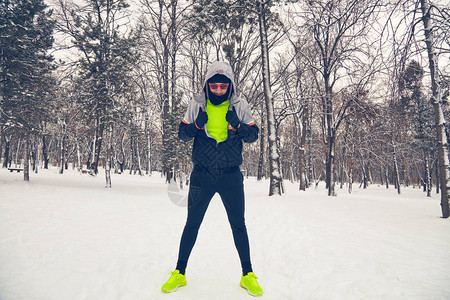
<point x="219" y="122"/>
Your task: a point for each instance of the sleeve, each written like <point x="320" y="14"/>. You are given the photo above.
<point x="191" y="112"/>
<point x="248" y="133"/>
<point x="245" y="113"/>
<point x="248" y="130"/>
<point x="187" y="129"/>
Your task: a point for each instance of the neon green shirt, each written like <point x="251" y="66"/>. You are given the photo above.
<point x="217" y="125"/>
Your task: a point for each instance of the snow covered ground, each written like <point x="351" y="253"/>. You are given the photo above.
<point x="67" y="237"/>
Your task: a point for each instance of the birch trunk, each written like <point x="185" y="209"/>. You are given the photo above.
<point x="165" y="101"/>
<point x="342" y="172"/>
<point x="79" y="161"/>
<point x="138" y="158"/>
<point x="330" y="165"/>
<point x="26" y="163"/>
<point x="438" y="113"/>
<point x="261" y="145"/>
<point x="302" y="151"/>
<point x="331" y="138"/>
<point x="62" y="148"/>
<point x="148" y="164"/>
<point x="350" y="180"/>
<point x="108" y="157"/>
<point x="309" y="144"/>
<point x="16" y="159"/>
<point x="98" y="144"/>
<point x="436" y="168"/>
<point x="2" y="139"/>
<point x="132" y="160"/>
<point x="274" y="155"/>
<point x="427" y="175"/>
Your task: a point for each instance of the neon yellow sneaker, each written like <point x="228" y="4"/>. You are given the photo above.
<point x="249" y="282"/>
<point x="175" y="281"/>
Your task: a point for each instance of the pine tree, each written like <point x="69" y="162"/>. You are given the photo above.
<point x="107" y="55"/>
<point x="26" y="34"/>
<point x="419" y="113"/>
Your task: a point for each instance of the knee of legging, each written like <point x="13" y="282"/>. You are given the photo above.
<point x="238" y="227"/>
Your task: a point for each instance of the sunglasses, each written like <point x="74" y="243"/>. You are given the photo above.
<point x="215" y="86"/>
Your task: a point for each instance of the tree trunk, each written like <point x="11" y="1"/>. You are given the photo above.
<point x="122" y="152"/>
<point x="350" y="180"/>
<point x="90" y="153"/>
<point x="369" y="170"/>
<point x="302" y="151"/>
<point x="427" y="175"/>
<point x="98" y="144"/>
<point x="396" y="173"/>
<point x="37" y="157"/>
<point x="138" y="157"/>
<point x="274" y="155"/>
<point x="45" y="152"/>
<point x="165" y="113"/>
<point x="79" y="160"/>
<point x="2" y="139"/>
<point x="364" y="172"/>
<point x="26" y="163"/>
<point x="406" y="174"/>
<point x="381" y="175"/>
<point x="330" y="167"/>
<point x="132" y="160"/>
<point x="6" y="157"/>
<point x="331" y="136"/>
<point x="62" y="148"/>
<point x="438" y="113"/>
<point x="16" y="159"/>
<point x="386" y="176"/>
<point x="342" y="170"/>
<point x="108" y="157"/>
<point x="436" y="168"/>
<point x="261" y="145"/>
<point x="310" y="168"/>
<point x="148" y="165"/>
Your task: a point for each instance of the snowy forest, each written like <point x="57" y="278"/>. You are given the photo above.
<point x="349" y="92"/>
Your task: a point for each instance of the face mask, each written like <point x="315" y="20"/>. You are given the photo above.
<point x="216" y="100"/>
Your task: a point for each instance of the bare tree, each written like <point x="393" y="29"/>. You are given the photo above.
<point x="336" y="27"/>
<point x="275" y="186"/>
<point x="438" y="113"/>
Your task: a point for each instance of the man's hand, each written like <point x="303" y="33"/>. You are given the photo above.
<point x="202" y="118"/>
<point x="232" y="118"/>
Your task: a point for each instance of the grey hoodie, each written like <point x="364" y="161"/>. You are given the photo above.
<point x="242" y="107"/>
<point x="206" y="151"/>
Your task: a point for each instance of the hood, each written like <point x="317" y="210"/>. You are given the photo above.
<point x="217" y="67"/>
<point x="220" y="67"/>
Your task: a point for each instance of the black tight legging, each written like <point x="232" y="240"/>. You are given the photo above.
<point x="203" y="185"/>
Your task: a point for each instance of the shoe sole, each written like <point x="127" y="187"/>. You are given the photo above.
<point x="178" y="286"/>
<point x="248" y="291"/>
